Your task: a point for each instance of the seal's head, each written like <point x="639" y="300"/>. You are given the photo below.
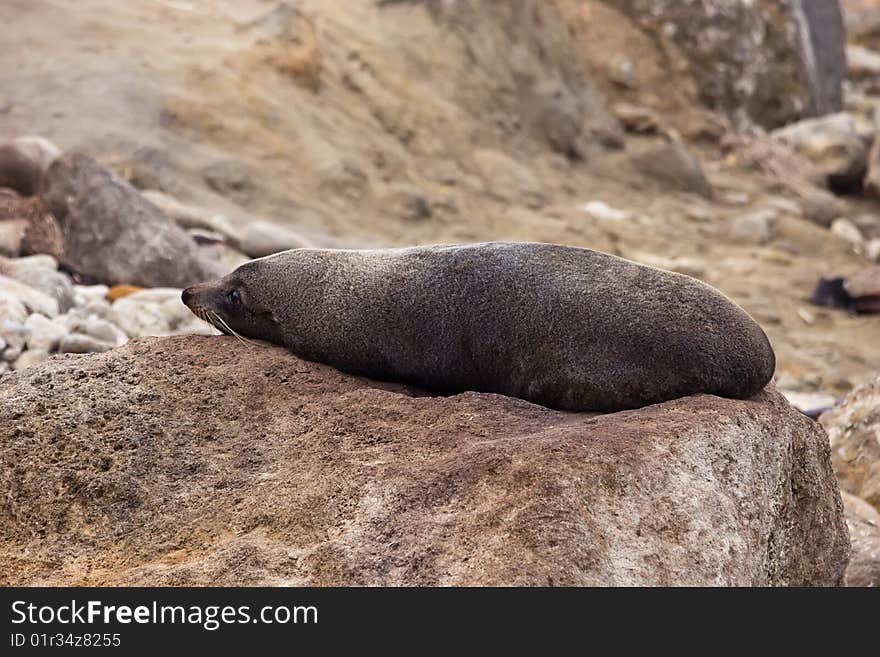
<point x="239" y="303"/>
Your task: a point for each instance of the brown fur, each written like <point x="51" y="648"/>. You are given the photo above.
<point x="560" y="326"/>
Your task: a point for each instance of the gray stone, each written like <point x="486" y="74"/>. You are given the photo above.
<point x="30" y="358"/>
<point x="675" y="167"/>
<point x="113" y="235"/>
<point x="837" y="145"/>
<point x="54" y="284"/>
<point x="820" y="207"/>
<point x="34" y="300"/>
<point x="848" y="232"/>
<point x="261" y="238"/>
<point x="754" y="227"/>
<point x="43" y="333"/>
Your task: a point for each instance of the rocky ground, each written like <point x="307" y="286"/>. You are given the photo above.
<point x="186" y="137"/>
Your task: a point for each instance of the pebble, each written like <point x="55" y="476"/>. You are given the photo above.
<point x="34" y="300"/>
<point x="30" y="357"/>
<point x="847" y="230"/>
<point x="104" y="331"/>
<point x="604" y="212"/>
<point x="11" y="354"/>
<point x="90" y="293"/>
<point x="755" y="227"/>
<point x="77" y="343"/>
<point x="43" y="333"/>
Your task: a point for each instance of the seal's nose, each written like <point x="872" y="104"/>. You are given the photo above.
<point x="186" y="296"/>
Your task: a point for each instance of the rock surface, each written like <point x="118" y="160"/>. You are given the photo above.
<point x="114" y="235"/>
<point x="854" y="432"/>
<point x="311" y="477"/>
<point x="863" y="522"/>
<point x="772" y="62"/>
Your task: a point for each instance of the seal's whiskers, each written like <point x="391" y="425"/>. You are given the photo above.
<point x="231" y="331"/>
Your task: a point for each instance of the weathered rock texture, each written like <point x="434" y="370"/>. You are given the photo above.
<point x="216" y="462"/>
<point x="854" y="432"/>
<point x="114" y="235"/>
<point x="863" y="522"/>
<point x="770" y="61"/>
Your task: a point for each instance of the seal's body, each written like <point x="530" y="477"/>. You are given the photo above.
<point x="564" y="327"/>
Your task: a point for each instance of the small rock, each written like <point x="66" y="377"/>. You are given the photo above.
<point x="672" y="164"/>
<point x="755" y="227"/>
<point x="11" y="354"/>
<point x="29" y="358"/>
<point x="559" y="118"/>
<point x="808" y="317"/>
<point x="90" y="293"/>
<point x="864" y="283"/>
<point x="157" y="311"/>
<point x="862" y="63"/>
<point x="43" y="333"/>
<point x="847" y="231"/>
<point x="53" y="284"/>
<point x="837" y="144"/>
<point x="34" y="300"/>
<point x="872" y="250"/>
<point x="604" y="212"/>
<point x="809" y="401"/>
<point x="77" y="343"/>
<point x="868" y="225"/>
<point x="261" y="238"/>
<point x="622" y="72"/>
<point x="40" y="261"/>
<point x="785" y="206"/>
<point x="11" y="310"/>
<point x="188" y="216"/>
<point x="636" y="119"/>
<point x="820" y="207"/>
<point x="103" y="330"/>
<point x="4" y="367"/>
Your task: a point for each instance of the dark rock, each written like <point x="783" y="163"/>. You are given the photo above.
<point x="113" y="235"/>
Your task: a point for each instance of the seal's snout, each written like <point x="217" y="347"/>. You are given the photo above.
<point x="187" y="296"/>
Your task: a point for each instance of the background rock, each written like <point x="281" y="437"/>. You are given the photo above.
<point x="768" y="61"/>
<point x="863" y="522"/>
<point x="113" y="235"/>
<point x="320" y="478"/>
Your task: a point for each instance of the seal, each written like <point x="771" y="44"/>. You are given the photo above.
<point x="564" y="327"/>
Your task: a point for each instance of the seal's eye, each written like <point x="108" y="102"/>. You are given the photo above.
<point x="234" y="296"/>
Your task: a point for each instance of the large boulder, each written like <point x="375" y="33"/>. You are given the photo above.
<point x="204" y="460"/>
<point x="854" y="431"/>
<point x="768" y="61"/>
<point x="113" y="235"/>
